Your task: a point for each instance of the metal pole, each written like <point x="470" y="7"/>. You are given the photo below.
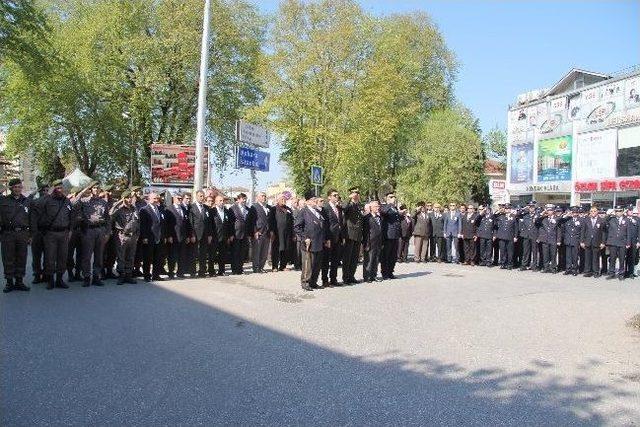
<point x="202" y="98"/>
<point x="252" y="193"/>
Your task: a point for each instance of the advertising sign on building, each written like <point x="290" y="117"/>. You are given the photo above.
<point x="498" y="190"/>
<point x="554" y="159"/>
<point x="596" y="155"/>
<point x="522" y="163"/>
<point x="632" y="93"/>
<point x="174" y="165"/>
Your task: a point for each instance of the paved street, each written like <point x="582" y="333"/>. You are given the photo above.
<point x="442" y="344"/>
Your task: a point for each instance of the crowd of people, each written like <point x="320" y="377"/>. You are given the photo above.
<point x="87" y="234"/>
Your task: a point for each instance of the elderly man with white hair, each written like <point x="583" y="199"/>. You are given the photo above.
<point x="152" y="233"/>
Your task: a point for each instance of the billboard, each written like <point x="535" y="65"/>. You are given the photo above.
<point x="554" y="159"/>
<point x="521" y="163"/>
<point x="174" y="165"/>
<point x="596" y="155"/>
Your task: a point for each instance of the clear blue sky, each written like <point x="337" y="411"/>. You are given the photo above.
<point x="509" y="47"/>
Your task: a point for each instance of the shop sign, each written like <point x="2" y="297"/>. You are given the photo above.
<point x="624" y="184"/>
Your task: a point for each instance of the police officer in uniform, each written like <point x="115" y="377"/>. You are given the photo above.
<point x="391" y="233"/>
<point x="15" y="234"/>
<point x="353" y="219"/>
<point x="485" y="232"/>
<point x="550" y="237"/>
<point x="632" y="252"/>
<point x="126" y="222"/>
<point x="593" y="238"/>
<point x="528" y="235"/>
<point x="618" y="241"/>
<point x="506" y="226"/>
<point x="573" y="231"/>
<point x="57" y="215"/>
<point x="96" y="224"/>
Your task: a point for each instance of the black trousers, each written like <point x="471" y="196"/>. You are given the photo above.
<point x="370" y="262"/>
<point x="631" y="260"/>
<point x="56" y="250"/>
<point x="486" y="251"/>
<point x="571" y="258"/>
<point x="331" y="261"/>
<point x="13" y="246"/>
<point x="549" y="252"/>
<point x="506" y="252"/>
<point x="152" y="259"/>
<point x="592" y="260"/>
<point x="74" y="253"/>
<point x="617" y="253"/>
<point x="403" y="248"/>
<point x="37" y="254"/>
<point x="202" y="251"/>
<point x="350" y="256"/>
<point x="388" y="257"/>
<point x="220" y="250"/>
<point x="469" y="246"/>
<point x="527" y="252"/>
<point x="110" y="253"/>
<point x="239" y="252"/>
<point x="177" y="258"/>
<point x="439" y="244"/>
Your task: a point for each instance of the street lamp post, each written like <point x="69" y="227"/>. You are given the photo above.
<point x="202" y="98"/>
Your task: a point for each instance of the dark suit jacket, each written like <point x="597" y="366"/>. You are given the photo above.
<point x="437" y="224"/>
<point x="406" y="227"/>
<point x="200" y="221"/>
<point x="592" y="236"/>
<point x="372" y="232"/>
<point x="469" y="229"/>
<point x="239" y="222"/>
<point x="390" y="222"/>
<point x="177" y="220"/>
<point x="223" y="229"/>
<point x="618" y="233"/>
<point x="336" y="223"/>
<point x="309" y="226"/>
<point x="152" y="226"/>
<point x="353" y="221"/>
<point x="258" y="220"/>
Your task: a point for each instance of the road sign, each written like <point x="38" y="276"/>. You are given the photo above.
<point x="250" y="134"/>
<point x="250" y="158"/>
<point x="317" y="175"/>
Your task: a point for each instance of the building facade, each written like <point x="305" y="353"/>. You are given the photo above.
<point x="578" y="142"/>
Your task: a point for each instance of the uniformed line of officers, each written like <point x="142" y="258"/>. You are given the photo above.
<point x="547" y="239"/>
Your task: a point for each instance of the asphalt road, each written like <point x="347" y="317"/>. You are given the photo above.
<point x="441" y="345"/>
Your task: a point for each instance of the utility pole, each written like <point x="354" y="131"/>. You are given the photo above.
<point x="202" y="98"/>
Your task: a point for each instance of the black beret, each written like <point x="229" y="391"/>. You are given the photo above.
<point x="309" y="195"/>
<point x="14" y="181"/>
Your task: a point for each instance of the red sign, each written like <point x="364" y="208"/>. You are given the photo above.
<point x="173" y="164"/>
<point x="623" y="184"/>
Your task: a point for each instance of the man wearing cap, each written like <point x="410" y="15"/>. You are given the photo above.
<point x="528" y="233"/>
<point x="506" y="225"/>
<point x="139" y="203"/>
<point x="56" y="219"/>
<point x="74" y="252"/>
<point x="37" y="246"/>
<point x="550" y="237"/>
<point x="485" y="231"/>
<point x="421" y="233"/>
<point x="126" y="223"/>
<point x="258" y="221"/>
<point x="469" y="234"/>
<point x="15" y="223"/>
<point x="311" y="228"/>
<point x="353" y="241"/>
<point x="632" y="252"/>
<point x="572" y="229"/>
<point x="618" y="241"/>
<point x="391" y="233"/>
<point x="95" y="232"/>
<point x="593" y="238"/>
<point x="110" y="247"/>
<point x="240" y="242"/>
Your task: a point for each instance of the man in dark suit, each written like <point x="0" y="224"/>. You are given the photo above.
<point x="372" y="243"/>
<point x="201" y="225"/>
<point x="593" y="238"/>
<point x="421" y="233"/>
<point x="572" y="231"/>
<point x="632" y="252"/>
<point x="152" y="227"/>
<point x="311" y="229"/>
<point x="353" y="219"/>
<point x="452" y="228"/>
<point x="469" y="234"/>
<point x="618" y="241"/>
<point x="283" y="242"/>
<point x="240" y="243"/>
<point x="438" y="244"/>
<point x="485" y="231"/>
<point x="177" y="238"/>
<point x="528" y="233"/>
<point x="391" y="233"/>
<point x="506" y="225"/>
<point x="406" y="231"/>
<point x="549" y="235"/>
<point x="223" y="222"/>
<point x="332" y="212"/>
<point x="258" y="225"/>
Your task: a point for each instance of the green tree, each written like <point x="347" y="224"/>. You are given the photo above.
<point x="446" y="160"/>
<point x="125" y="75"/>
<point x="495" y="144"/>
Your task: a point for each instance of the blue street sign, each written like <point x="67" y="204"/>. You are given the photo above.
<point x="317" y="177"/>
<point x="250" y="158"/>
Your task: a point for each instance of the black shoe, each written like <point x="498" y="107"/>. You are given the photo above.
<point x="588" y="274"/>
<point x="20" y="286"/>
<point x="369" y="280"/>
<point x="157" y="279"/>
<point x="378" y="279"/>
<point x="620" y="277"/>
<point x="51" y="283"/>
<point x="129" y="279"/>
<point x="37" y="279"/>
<point x="306" y="287"/>
<point x="325" y="283"/>
<point x="392" y="277"/>
<point x="597" y="275"/>
<point x="120" y="281"/>
<point x="75" y="278"/>
<point x="335" y="284"/>
<point x="86" y="282"/>
<point x="60" y="284"/>
<point x="97" y="281"/>
<point x="9" y="286"/>
<point x="147" y="279"/>
<point x="611" y="276"/>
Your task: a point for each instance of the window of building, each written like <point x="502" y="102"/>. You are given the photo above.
<point x="628" y="163"/>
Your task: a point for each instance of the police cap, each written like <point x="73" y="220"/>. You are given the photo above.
<point x="619" y="208"/>
<point x="14" y="181"/>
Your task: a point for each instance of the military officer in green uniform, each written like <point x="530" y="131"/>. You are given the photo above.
<point x="15" y="235"/>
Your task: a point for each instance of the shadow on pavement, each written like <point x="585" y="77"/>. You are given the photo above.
<point x="145" y="355"/>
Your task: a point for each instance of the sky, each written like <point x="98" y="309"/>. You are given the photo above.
<point x="505" y="48"/>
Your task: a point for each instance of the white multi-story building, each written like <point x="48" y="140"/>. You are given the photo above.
<point x="577" y="142"/>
